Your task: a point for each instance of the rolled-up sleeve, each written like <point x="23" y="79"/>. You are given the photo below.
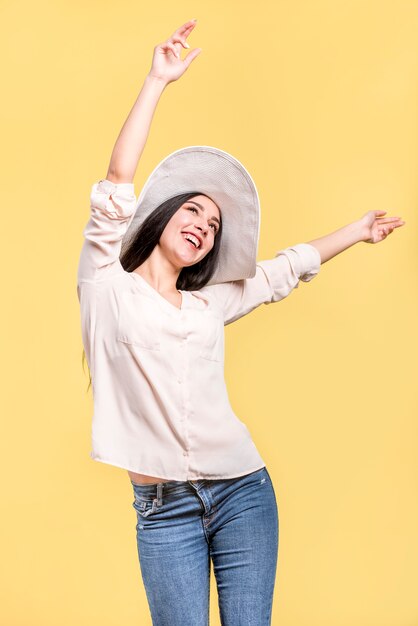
<point x="112" y="207"/>
<point x="274" y="280"/>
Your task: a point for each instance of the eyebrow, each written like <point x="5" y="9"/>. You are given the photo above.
<point x="203" y="208"/>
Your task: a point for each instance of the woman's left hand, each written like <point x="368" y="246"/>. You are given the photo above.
<point x="375" y="228"/>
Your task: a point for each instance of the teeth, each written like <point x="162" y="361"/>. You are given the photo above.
<point x="193" y="239"/>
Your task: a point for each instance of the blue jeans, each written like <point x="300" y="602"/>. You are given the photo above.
<point x="183" y="526"/>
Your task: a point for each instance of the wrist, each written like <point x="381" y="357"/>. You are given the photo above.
<point x="153" y="79"/>
<point x="360" y="231"/>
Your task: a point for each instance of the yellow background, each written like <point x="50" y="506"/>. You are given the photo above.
<point x="319" y="100"/>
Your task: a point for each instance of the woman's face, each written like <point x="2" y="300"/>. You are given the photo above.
<point x="197" y="218"/>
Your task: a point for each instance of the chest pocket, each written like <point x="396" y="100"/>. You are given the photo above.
<point x="211" y="336"/>
<point x="139" y="321"/>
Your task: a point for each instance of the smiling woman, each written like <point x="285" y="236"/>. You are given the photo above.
<point x="155" y="348"/>
<point x="194" y="226"/>
<point x="160" y="241"/>
<point x="158" y="279"/>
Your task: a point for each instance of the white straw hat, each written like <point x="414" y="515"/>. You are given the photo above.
<point x="225" y="180"/>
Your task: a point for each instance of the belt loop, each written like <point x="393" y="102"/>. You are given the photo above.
<point x="159" y="494"/>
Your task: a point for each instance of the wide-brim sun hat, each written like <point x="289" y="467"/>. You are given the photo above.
<point x="225" y="180"/>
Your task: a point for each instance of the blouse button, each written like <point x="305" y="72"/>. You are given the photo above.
<point x="185" y="453"/>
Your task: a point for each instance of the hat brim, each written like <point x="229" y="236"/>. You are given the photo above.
<point x="225" y="180"/>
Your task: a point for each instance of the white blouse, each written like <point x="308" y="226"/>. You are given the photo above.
<point x="161" y="405"/>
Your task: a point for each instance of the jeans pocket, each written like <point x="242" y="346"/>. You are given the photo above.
<point x="257" y="478"/>
<point x="145" y="506"/>
<point x="257" y="473"/>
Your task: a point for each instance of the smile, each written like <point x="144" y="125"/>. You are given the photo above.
<point x="191" y="240"/>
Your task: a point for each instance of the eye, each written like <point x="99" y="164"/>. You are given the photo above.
<point x="193" y="208"/>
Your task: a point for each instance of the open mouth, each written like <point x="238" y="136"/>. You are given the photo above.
<point x="191" y="240"/>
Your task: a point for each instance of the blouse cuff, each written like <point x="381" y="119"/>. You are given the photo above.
<point x="122" y="202"/>
<point x="305" y="258"/>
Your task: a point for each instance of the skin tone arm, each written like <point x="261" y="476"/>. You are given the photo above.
<point x="167" y="66"/>
<point x="371" y="228"/>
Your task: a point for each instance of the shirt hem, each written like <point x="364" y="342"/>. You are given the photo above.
<point x="201" y="476"/>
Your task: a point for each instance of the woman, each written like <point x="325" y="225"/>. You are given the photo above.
<point x="158" y="280"/>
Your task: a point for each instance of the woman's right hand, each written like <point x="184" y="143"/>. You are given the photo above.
<point x="167" y="64"/>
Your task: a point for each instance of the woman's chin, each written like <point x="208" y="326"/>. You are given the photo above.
<point x="188" y="259"/>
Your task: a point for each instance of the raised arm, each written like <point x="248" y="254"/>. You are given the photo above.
<point x="276" y="278"/>
<point x="112" y="200"/>
<point x="167" y="66"/>
<point x="370" y="228"/>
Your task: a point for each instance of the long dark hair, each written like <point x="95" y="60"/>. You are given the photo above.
<point x="148" y="235"/>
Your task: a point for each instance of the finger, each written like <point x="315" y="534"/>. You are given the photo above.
<point x="168" y="45"/>
<point x="191" y="56"/>
<point x="186" y="29"/>
<point x="387" y="220"/>
<point x="393" y="226"/>
<point x="181" y="34"/>
<point x="189" y="25"/>
<point x="179" y="37"/>
<point x="182" y="41"/>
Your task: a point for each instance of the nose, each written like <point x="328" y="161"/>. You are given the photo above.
<point x="203" y="228"/>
